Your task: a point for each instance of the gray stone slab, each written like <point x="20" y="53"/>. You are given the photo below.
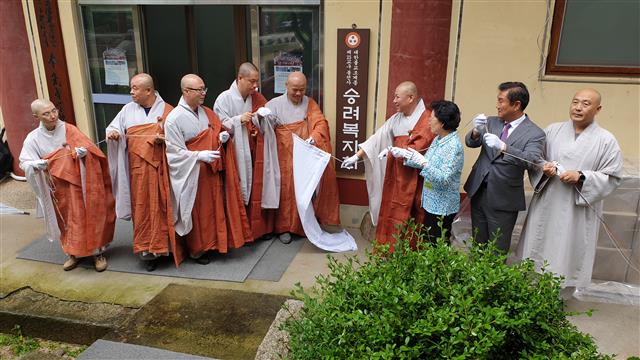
<point x="276" y="260"/>
<point x="233" y="266"/>
<point x="103" y="349"/>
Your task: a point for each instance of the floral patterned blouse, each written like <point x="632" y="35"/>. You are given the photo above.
<point x="440" y="192"/>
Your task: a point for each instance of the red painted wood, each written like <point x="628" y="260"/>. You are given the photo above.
<point x="17" y="82"/>
<point x="55" y="61"/>
<point x="353" y="192"/>
<point x="419" y="47"/>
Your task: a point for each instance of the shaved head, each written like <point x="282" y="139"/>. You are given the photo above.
<point x="39" y="104"/>
<point x="593" y="94"/>
<point x="296" y="87"/>
<point x="247" y="69"/>
<point x="408" y="88"/>
<point x="584" y="107"/>
<point x="406" y="97"/>
<point x="297" y="77"/>
<point x="143" y="79"/>
<point x="189" y="80"/>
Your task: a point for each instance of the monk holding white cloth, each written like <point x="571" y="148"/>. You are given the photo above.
<point x="296" y="113"/>
<point x="236" y="107"/>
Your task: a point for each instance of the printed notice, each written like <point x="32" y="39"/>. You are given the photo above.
<point x="283" y="65"/>
<point x="116" y="71"/>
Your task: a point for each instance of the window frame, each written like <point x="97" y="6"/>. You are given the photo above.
<point x="552" y="68"/>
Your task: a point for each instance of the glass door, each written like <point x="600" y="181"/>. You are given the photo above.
<point x="288" y="40"/>
<point x="114" y="55"/>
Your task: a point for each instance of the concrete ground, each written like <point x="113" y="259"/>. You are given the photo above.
<point x="616" y="328"/>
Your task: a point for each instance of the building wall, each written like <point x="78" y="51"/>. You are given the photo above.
<point x="504" y="41"/>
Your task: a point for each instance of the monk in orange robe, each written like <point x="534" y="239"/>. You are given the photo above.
<point x="236" y="107"/>
<point x="206" y="197"/>
<point x="71" y="179"/>
<point x="395" y="190"/>
<point x="296" y="113"/>
<point x="142" y="189"/>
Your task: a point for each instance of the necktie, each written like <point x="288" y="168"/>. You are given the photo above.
<point x="505" y="132"/>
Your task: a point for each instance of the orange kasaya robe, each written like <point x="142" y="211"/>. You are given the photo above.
<point x="326" y="204"/>
<point x="402" y="187"/>
<point x="262" y="220"/>
<point x="151" y="209"/>
<point x="219" y="218"/>
<point x="85" y="225"/>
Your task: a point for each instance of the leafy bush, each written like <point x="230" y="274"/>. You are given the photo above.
<point x="435" y="302"/>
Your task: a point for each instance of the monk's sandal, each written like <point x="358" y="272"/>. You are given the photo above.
<point x="100" y="263"/>
<point x="71" y="263"/>
<point x="285" y="238"/>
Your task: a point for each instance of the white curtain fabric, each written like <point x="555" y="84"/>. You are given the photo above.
<point x="309" y="163"/>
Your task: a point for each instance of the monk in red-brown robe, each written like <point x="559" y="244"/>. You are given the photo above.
<point x="394" y="189"/>
<point x="296" y="113"/>
<point x="70" y="176"/>
<point x="207" y="200"/>
<point x="142" y="188"/>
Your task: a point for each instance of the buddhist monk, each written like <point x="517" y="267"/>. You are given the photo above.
<point x="70" y="177"/>
<point x="205" y="187"/>
<point x="236" y="107"/>
<point x="395" y="190"/>
<point x="141" y="189"/>
<point x="296" y="113"/>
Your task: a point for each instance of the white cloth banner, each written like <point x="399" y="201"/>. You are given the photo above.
<point x="309" y="163"/>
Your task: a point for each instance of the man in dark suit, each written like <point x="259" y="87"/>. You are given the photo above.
<point x="496" y="185"/>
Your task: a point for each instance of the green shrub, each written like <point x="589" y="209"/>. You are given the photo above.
<point x="432" y="303"/>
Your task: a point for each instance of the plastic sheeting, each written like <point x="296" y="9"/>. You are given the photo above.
<point x="620" y="208"/>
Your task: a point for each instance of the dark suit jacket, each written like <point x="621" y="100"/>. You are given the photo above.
<point x="504" y="174"/>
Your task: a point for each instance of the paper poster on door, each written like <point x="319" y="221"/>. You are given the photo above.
<point x="283" y="65"/>
<point x="116" y="71"/>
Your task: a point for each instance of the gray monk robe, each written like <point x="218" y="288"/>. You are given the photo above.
<point x="560" y="227"/>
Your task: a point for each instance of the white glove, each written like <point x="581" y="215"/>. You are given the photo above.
<point x="350" y="162"/>
<point x="81" y="152"/>
<point x="263" y="111"/>
<point x="559" y="169"/>
<point x="310" y="141"/>
<point x="493" y="141"/>
<point x="208" y="155"/>
<point x="223" y="137"/>
<point x="479" y="121"/>
<point x="39" y="164"/>
<point x="383" y="153"/>
<point x="416" y="157"/>
<point x="400" y="152"/>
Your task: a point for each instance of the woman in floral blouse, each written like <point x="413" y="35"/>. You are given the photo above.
<point x="441" y="168"/>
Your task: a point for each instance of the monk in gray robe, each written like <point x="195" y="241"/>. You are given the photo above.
<point x="584" y="166"/>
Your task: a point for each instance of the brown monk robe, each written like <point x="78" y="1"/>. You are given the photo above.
<point x="86" y="224"/>
<point x="402" y="188"/>
<point x="298" y="114"/>
<point x="262" y="220"/>
<point x="399" y="197"/>
<point x="219" y="218"/>
<point x="152" y="213"/>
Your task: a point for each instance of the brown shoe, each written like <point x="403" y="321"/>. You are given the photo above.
<point x="71" y="263"/>
<point x="100" y="263"/>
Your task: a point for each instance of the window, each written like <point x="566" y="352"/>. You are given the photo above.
<point x="595" y="38"/>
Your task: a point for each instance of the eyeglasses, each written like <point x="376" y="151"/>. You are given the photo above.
<point x="53" y="111"/>
<point x="202" y="91"/>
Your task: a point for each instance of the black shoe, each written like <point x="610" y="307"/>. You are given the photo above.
<point x="151" y="265"/>
<point x="285" y="238"/>
<point x="203" y="260"/>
